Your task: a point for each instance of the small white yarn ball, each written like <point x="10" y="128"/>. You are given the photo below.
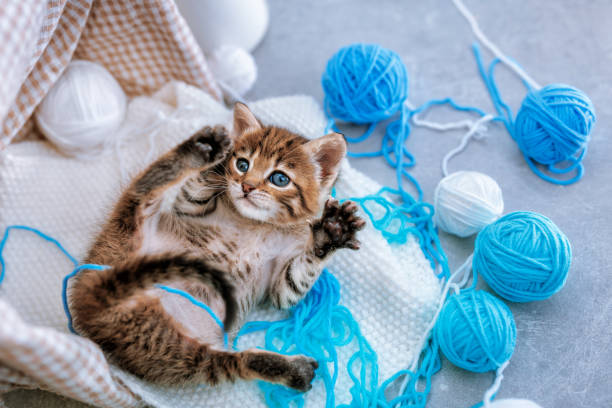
<point x="467" y="201"/>
<point x="83" y="109"/>
<point x="234" y="68"/>
<point x="514" y="403"/>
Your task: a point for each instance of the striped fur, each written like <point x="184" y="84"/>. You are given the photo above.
<point x="231" y="238"/>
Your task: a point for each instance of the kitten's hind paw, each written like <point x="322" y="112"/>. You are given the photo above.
<point x="302" y="373"/>
<point x="207" y="146"/>
<point x="337" y="228"/>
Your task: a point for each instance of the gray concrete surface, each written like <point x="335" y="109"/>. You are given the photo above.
<point x="563" y="354"/>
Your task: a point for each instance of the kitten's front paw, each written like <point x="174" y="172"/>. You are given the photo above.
<point x="337" y="228"/>
<point x="209" y="145"/>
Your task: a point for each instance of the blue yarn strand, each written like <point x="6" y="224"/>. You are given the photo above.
<point x="199" y="304"/>
<point x="74" y="272"/>
<point x="37" y="232"/>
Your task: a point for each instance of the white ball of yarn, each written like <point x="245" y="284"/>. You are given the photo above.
<point x="467" y="201"/>
<point x="514" y="403"/>
<point x="83" y="109"/>
<point x="216" y="22"/>
<point x="234" y="68"/>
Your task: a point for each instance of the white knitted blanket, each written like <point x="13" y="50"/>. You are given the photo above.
<point x="391" y="291"/>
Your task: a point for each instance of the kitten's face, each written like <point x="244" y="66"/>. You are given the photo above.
<point x="276" y="176"/>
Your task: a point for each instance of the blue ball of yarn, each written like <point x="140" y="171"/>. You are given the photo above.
<point x="523" y="256"/>
<point x="476" y="331"/>
<point x="554" y="123"/>
<point x="364" y="83"/>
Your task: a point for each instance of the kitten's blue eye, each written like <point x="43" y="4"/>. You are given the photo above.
<point x="279" y="179"/>
<point x="242" y="165"/>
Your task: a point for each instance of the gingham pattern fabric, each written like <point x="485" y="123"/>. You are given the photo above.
<point x="391" y="290"/>
<point x="144" y="44"/>
<point x="45" y="358"/>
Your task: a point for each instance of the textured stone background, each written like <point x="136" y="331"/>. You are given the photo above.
<point x="563" y="354"/>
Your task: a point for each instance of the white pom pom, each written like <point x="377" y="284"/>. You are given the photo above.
<point x="83" y="109"/>
<point x="234" y="69"/>
<point x="514" y="403"/>
<point x="467" y="201"/>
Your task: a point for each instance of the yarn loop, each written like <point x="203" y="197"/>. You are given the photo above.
<point x="523" y="256"/>
<point x="476" y="331"/>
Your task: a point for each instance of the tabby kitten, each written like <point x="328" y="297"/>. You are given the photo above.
<point x="232" y="220"/>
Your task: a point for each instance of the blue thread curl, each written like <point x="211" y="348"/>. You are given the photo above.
<point x="37" y="232"/>
<point x="75" y="271"/>
<point x="476" y="331"/>
<point x="523" y="256"/>
<point x="199" y="304"/>
<point x="553" y="125"/>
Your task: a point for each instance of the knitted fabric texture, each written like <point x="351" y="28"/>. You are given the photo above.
<point x="391" y="290"/>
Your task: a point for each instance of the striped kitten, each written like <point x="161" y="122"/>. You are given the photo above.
<point x="232" y="220"/>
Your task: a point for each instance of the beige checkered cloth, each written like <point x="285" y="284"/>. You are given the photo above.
<point x="143" y="43"/>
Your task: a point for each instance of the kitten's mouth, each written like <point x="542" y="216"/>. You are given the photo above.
<point x="248" y="200"/>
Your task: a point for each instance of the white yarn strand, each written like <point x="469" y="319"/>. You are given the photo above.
<point x="473" y="132"/>
<point x="463" y="272"/>
<point x="499" y="376"/>
<point x="492" y="47"/>
<point x="442" y="127"/>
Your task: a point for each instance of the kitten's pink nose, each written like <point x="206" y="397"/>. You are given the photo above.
<point x="247" y="188"/>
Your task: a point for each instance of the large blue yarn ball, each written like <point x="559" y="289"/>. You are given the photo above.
<point x="364" y="83"/>
<point x="554" y="123"/>
<point x="523" y="256"/>
<point x="476" y="331"/>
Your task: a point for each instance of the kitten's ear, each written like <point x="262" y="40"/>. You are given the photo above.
<point x="244" y="119"/>
<point x="328" y="152"/>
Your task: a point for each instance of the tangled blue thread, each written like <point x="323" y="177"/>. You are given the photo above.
<point x="399" y="220"/>
<point x="316" y="327"/>
<point x="417" y="389"/>
<point x="476" y="331"/>
<point x="523" y="256"/>
<point x="553" y="125"/>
